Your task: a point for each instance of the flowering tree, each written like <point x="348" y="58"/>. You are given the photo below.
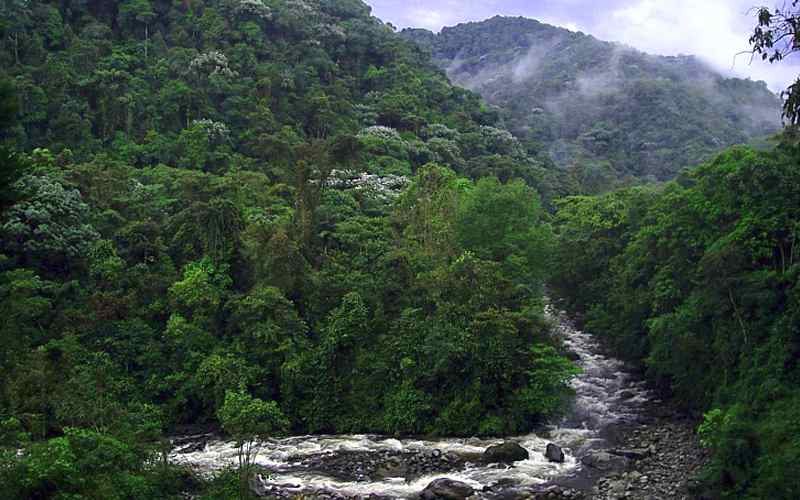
<point x="252" y="9"/>
<point x="49" y="223"/>
<point x="212" y="63"/>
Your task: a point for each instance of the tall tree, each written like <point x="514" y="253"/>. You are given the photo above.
<point x="10" y="163"/>
<point x="135" y="12"/>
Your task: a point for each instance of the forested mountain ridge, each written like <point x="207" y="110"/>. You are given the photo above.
<point x="267" y="215"/>
<point x="607" y="111"/>
<point x="141" y="80"/>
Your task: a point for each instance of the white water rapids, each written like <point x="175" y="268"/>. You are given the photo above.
<point x="605" y="395"/>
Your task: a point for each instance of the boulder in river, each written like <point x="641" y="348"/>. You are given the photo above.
<point x="191" y="444"/>
<point x="447" y="489"/>
<point x="602" y="460"/>
<point x="505" y="453"/>
<point x="554" y="453"/>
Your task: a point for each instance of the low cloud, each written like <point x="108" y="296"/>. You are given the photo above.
<point x="714" y="30"/>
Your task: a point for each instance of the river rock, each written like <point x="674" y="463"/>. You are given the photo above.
<point x="192" y="447"/>
<point x="257" y="486"/>
<point x="633" y="453"/>
<point x="506" y="453"/>
<point x="554" y="453"/>
<point x="191" y="444"/>
<point x="447" y="489"/>
<point x="392" y="467"/>
<point x="602" y="460"/>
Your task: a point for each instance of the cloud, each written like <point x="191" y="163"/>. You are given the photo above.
<point x="432" y="15"/>
<point x="428" y="19"/>
<point x="714" y="30"/>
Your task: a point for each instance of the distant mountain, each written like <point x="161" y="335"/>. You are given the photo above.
<point x="607" y="111"/>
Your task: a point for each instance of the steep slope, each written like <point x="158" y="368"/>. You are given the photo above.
<point x="698" y="282"/>
<point x="605" y="109"/>
<point x="253" y="206"/>
<point x="146" y="80"/>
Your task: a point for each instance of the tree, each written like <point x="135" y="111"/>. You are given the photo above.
<point x="50" y="225"/>
<point x="20" y="12"/>
<point x="428" y="209"/>
<point x="266" y="330"/>
<point x="203" y="286"/>
<point x="248" y="421"/>
<point x="775" y="37"/>
<point x="25" y="304"/>
<point x="80" y="464"/>
<point x="138" y="11"/>
<point x="502" y="222"/>
<point x="10" y="163"/>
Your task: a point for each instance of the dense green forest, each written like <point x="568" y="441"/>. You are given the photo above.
<point x="697" y="280"/>
<point x="279" y="216"/>
<point x="205" y="219"/>
<point x="609" y="114"/>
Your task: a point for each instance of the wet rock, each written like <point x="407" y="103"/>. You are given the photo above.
<point x="554" y="453"/>
<point x="257" y="486"/>
<point x="602" y="460"/>
<point x="506" y="453"/>
<point x="626" y="395"/>
<point x="447" y="489"/>
<point x="666" y="455"/>
<point x="633" y="453"/>
<point x="364" y="466"/>
<point x="617" y="489"/>
<point x="192" y="447"/>
<point x="502" y="484"/>
<point x="393" y="467"/>
<point x="191" y="444"/>
<point x="558" y="493"/>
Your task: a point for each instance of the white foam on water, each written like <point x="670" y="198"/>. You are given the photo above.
<point x="604" y="394"/>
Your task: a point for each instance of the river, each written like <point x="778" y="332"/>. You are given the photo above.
<point x="362" y="465"/>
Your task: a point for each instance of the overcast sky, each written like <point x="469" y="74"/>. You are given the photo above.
<point x="715" y="30"/>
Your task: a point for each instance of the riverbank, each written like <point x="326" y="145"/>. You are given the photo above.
<point x="663" y="460"/>
<point x="658" y="458"/>
<point x="618" y="441"/>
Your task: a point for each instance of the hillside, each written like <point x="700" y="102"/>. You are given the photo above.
<point x="604" y="110"/>
<point x="697" y="280"/>
<point x="259" y="216"/>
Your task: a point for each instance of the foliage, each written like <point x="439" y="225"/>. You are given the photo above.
<point x="193" y="241"/>
<point x="81" y="464"/>
<point x="249" y="420"/>
<point x="48" y="225"/>
<point x="698" y="282"/>
<point x="608" y="115"/>
<point x="11" y="166"/>
<point x="775" y="37"/>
